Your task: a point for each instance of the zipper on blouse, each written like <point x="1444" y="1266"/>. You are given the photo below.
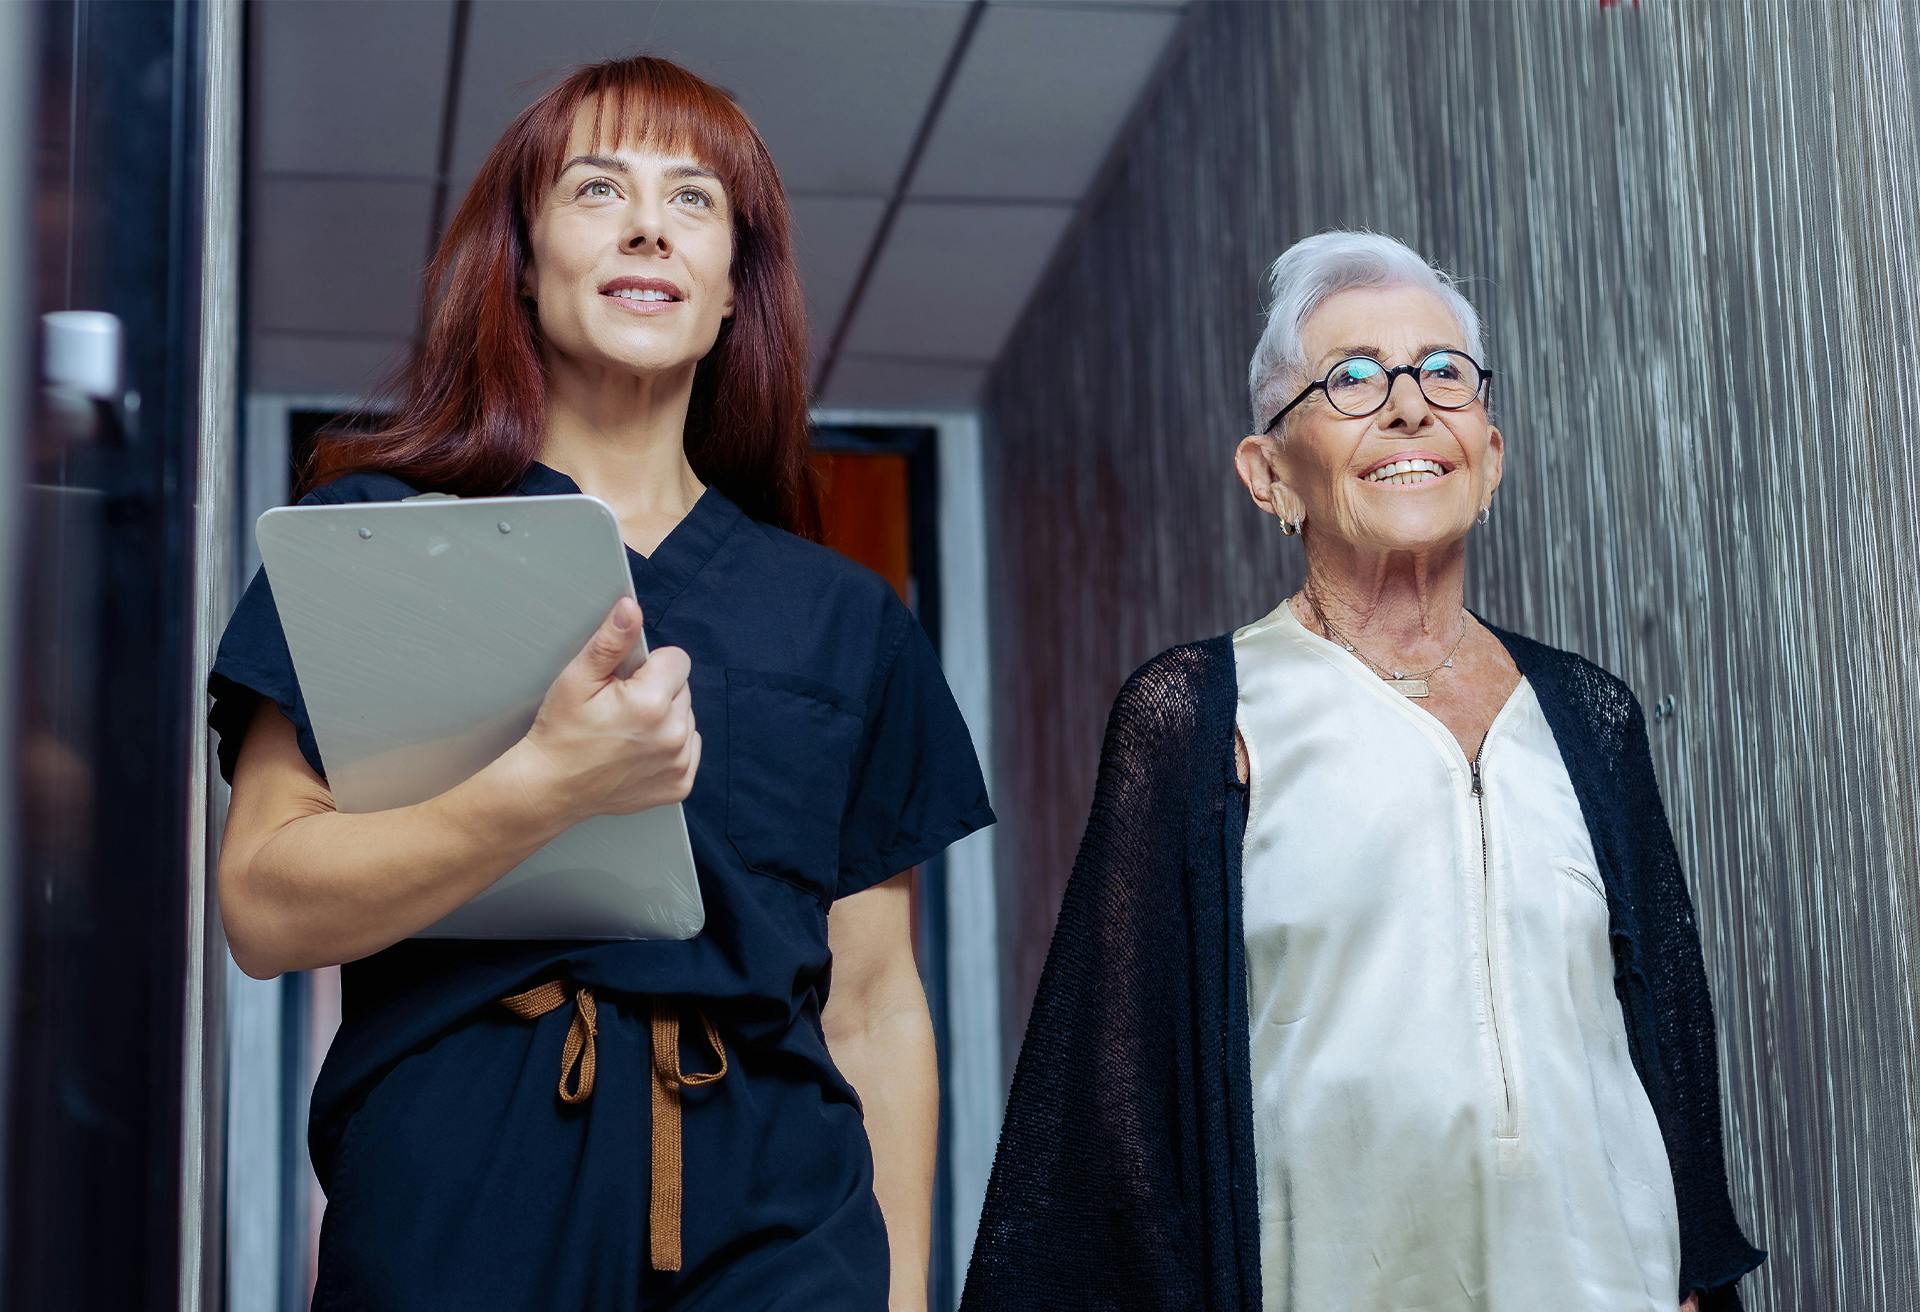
<point x="1505" y="1126"/>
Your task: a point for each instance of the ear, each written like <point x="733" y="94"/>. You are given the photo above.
<point x="1497" y="459"/>
<point x="1257" y="461"/>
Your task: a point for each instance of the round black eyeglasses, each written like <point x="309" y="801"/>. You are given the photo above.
<point x="1360" y="385"/>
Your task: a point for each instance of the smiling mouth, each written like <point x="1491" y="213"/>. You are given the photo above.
<point x="1406" y="473"/>
<point x="646" y="304"/>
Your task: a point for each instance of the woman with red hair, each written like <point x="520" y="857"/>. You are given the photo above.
<point x="615" y="310"/>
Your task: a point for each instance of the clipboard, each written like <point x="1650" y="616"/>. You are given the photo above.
<point x="425" y="633"/>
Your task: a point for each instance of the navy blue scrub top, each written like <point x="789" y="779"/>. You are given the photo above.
<point x="833" y="757"/>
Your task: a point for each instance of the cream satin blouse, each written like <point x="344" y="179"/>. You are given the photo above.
<point x="1445" y="1113"/>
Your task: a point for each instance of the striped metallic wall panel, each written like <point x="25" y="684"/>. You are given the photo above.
<point x="1692" y="229"/>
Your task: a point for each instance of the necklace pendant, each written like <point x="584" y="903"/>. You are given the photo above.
<point x="1411" y="687"/>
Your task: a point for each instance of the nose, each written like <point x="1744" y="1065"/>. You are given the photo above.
<point x="645" y="231"/>
<point x="642" y="239"/>
<point x="1406" y="407"/>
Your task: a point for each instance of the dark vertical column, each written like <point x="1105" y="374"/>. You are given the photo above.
<point x="98" y="816"/>
<point x="18" y="29"/>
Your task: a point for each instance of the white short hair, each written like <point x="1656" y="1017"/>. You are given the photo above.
<point x="1324" y="265"/>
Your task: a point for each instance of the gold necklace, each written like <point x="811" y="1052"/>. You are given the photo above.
<point x="1411" y="685"/>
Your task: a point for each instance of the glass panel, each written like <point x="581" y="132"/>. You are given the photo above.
<point x="101" y="709"/>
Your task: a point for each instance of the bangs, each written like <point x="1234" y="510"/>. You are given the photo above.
<point x="653" y="105"/>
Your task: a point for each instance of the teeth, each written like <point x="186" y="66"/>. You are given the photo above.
<point x="636" y="294"/>
<point x="1396" y="471"/>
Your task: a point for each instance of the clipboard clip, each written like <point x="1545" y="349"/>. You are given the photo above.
<point x="432" y="496"/>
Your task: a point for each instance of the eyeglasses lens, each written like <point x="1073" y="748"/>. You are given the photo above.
<point x="1357" y="387"/>
<point x="1449" y="381"/>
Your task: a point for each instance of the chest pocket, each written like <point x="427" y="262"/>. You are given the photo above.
<point x="790" y="744"/>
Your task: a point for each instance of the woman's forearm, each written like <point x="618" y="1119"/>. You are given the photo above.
<point x="890" y="1062"/>
<point x="336" y="886"/>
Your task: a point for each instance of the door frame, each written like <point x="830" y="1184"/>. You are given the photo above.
<point x="972" y="1091"/>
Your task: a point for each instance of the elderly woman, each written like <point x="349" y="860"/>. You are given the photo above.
<point x="1376" y="984"/>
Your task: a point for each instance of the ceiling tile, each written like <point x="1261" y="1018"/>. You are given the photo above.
<point x="831" y="237"/>
<point x="320" y="366"/>
<point x="1077" y="72"/>
<point x="836" y="89"/>
<point x="863" y="382"/>
<point x="349" y="87"/>
<point x="337" y="257"/>
<point x="953" y="277"/>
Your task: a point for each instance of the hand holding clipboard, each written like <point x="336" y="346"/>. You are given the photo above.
<point x="614" y="744"/>
<point x="433" y="636"/>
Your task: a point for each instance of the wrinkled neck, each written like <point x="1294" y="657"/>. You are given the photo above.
<point x="1406" y="604"/>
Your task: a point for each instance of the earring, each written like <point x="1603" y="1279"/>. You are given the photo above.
<point x="1289" y="527"/>
<point x="1486" y="512"/>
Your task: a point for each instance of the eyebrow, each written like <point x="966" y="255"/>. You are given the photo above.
<point x="1374" y="353"/>
<point x="607" y="162"/>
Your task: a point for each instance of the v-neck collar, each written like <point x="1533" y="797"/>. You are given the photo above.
<point x="661" y="577"/>
<point x="1431" y="724"/>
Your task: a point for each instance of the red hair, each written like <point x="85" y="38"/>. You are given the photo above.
<point x="470" y="404"/>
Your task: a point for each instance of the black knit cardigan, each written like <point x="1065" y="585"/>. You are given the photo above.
<point x="1125" y="1174"/>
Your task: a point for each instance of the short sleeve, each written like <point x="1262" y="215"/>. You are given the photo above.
<point x="916" y="786"/>
<point x="252" y="663"/>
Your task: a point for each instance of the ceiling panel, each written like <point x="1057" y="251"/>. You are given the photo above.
<point x="836" y="89"/>
<point x="322" y="366"/>
<point x="864" y="382"/>
<point x="953" y="277"/>
<point x="347" y="105"/>
<point x="1038" y="99"/>
<point x="350" y="87"/>
<point x="831" y="238"/>
<point x="337" y="257"/>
